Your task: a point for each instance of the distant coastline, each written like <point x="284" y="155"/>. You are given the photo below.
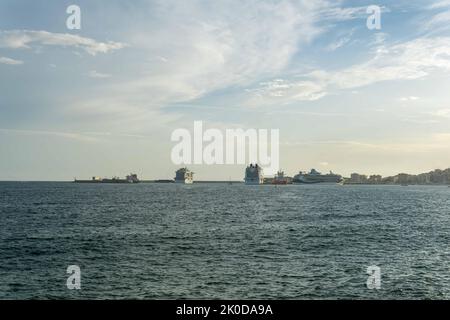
<point x="436" y="177"/>
<point x="233" y="182"/>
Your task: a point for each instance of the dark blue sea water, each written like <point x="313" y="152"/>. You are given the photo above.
<point x="152" y="241"/>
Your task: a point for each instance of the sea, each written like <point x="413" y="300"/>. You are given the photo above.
<point x="222" y="241"/>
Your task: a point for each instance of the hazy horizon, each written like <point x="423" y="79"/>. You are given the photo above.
<point x="104" y="100"/>
<point x="205" y="178"/>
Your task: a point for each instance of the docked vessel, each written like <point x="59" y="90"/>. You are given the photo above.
<point x="254" y="175"/>
<point x="184" y="175"/>
<point x="316" y="177"/>
<point x="131" y="178"/>
<point x="280" y="178"/>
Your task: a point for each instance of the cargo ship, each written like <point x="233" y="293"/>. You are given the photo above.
<point x="132" y="178"/>
<point x="184" y="175"/>
<point x="254" y="175"/>
<point x="316" y="177"/>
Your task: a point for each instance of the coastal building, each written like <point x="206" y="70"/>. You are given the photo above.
<point x="375" y="179"/>
<point x="184" y="175"/>
<point x="356" y="178"/>
<point x="402" y="178"/>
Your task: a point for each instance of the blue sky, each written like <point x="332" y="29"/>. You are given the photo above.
<point x="104" y="100"/>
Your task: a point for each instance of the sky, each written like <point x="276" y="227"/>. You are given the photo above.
<point x="104" y="100"/>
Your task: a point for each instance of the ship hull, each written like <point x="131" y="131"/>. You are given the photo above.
<point x="183" y="181"/>
<point x="253" y="183"/>
<point x="280" y="182"/>
<point x="316" y="180"/>
<point x="104" y="181"/>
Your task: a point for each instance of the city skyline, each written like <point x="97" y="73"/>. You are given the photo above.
<point x="104" y="100"/>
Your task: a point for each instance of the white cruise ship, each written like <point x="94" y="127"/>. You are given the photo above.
<point x="316" y="177"/>
<point x="184" y="175"/>
<point x="254" y="175"/>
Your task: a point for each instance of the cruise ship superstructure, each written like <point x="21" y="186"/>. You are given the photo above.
<point x="254" y="175"/>
<point x="184" y="175"/>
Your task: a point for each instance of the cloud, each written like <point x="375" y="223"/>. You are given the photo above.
<point x="236" y="45"/>
<point x="414" y="59"/>
<point x="440" y="4"/>
<point x="90" y="136"/>
<point x="65" y="135"/>
<point x="19" y="39"/>
<point x="438" y="22"/>
<point x="411" y="98"/>
<point x="443" y="113"/>
<point x="410" y="60"/>
<point x="379" y="39"/>
<point x="231" y="45"/>
<point x="280" y="91"/>
<point x="335" y="12"/>
<point x="10" y="61"/>
<point x="193" y="51"/>
<point x="429" y="142"/>
<point x="343" y="40"/>
<point x="98" y="75"/>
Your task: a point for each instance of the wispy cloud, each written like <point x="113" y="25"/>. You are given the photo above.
<point x="440" y="4"/>
<point x="430" y="142"/>
<point x="405" y="61"/>
<point x="99" y="75"/>
<point x="195" y="51"/>
<point x="443" y="113"/>
<point x="19" y="39"/>
<point x="10" y="61"/>
<point x="89" y="136"/>
<point x="280" y="91"/>
<point x="341" y="41"/>
<point x="410" y="60"/>
<point x="438" y="22"/>
<point x="65" y="135"/>
<point x="199" y="51"/>
<point x="334" y="11"/>
<point x="410" y="98"/>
